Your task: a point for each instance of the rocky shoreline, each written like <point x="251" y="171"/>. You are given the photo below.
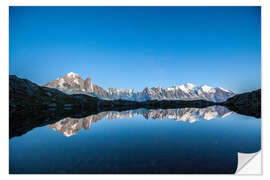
<point x="247" y="103"/>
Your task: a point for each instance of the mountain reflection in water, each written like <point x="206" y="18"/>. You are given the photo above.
<point x="177" y="141"/>
<point x="71" y="126"/>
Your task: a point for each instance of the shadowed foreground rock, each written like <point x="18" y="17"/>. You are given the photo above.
<point x="246" y="103"/>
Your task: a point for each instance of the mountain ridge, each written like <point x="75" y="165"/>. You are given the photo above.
<point x="72" y="83"/>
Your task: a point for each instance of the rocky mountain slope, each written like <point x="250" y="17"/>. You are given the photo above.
<point x="24" y="94"/>
<point x="247" y="103"/>
<point x="72" y="83"/>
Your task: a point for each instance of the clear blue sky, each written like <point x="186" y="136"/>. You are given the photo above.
<point x="137" y="47"/>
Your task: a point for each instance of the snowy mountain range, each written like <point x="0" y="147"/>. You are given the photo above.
<point x="72" y="83"/>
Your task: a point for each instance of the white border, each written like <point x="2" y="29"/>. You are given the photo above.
<point x="4" y="77"/>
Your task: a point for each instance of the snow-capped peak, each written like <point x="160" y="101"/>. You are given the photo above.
<point x="72" y="74"/>
<point x="224" y="90"/>
<point x="207" y="89"/>
<point x="190" y="86"/>
<point x="184" y="87"/>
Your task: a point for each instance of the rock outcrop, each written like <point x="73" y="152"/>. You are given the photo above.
<point x="246" y="103"/>
<point x="24" y="94"/>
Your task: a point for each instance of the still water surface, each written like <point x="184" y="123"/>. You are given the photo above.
<point x="188" y="140"/>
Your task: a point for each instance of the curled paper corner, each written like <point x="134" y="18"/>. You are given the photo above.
<point x="249" y="163"/>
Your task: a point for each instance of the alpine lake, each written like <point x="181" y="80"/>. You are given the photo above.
<point x="141" y="141"/>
